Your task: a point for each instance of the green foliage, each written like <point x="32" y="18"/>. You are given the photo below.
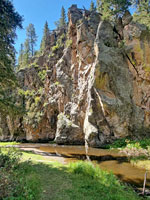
<point x="27" y="54"/>
<point x="79" y="180"/>
<point x="28" y="49"/>
<point x="145" y="143"/>
<point x="26" y="93"/>
<point x="46" y="38"/>
<point x="124" y="142"/>
<point x="40" y="90"/>
<point x="21" y="53"/>
<point x="57" y="83"/>
<point x="142" y="14"/>
<point x="10" y="20"/>
<point x="68" y="43"/>
<point x="14" y="182"/>
<point x="133" y="145"/>
<point x="42" y="74"/>
<point x="37" y="100"/>
<point x="111" y="9"/>
<point x="92" y="6"/>
<point x="55" y="48"/>
<point x="34" y="100"/>
<point x="32" y="38"/>
<point x="3" y="144"/>
<point x="62" y="21"/>
<point x="119" y="143"/>
<point x="91" y="181"/>
<point x="59" y="43"/>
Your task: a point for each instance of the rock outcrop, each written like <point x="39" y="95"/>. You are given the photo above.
<point x="91" y="85"/>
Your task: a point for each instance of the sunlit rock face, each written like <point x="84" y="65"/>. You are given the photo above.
<point x="96" y="86"/>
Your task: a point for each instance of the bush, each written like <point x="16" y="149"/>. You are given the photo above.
<point x="124" y="142"/>
<point x="120" y="143"/>
<point x="42" y="75"/>
<point x="13" y="182"/>
<point x="68" y="43"/>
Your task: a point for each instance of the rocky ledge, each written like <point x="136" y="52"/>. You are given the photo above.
<point x="96" y="86"/>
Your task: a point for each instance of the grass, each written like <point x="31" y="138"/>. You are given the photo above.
<point x="144" y="164"/>
<point x="124" y="142"/>
<point x="54" y="181"/>
<point x="18" y="179"/>
<point x="3" y="144"/>
<point x="138" y="151"/>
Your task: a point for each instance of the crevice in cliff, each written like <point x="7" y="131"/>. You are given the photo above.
<point x="132" y="64"/>
<point x="103" y="112"/>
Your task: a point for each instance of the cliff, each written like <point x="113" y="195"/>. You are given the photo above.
<point x="90" y="85"/>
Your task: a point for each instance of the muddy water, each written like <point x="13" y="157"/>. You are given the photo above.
<point x="109" y="160"/>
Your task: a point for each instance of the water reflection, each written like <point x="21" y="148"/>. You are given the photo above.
<point x="109" y="160"/>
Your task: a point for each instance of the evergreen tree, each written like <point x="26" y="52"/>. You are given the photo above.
<point x="62" y="21"/>
<point x="31" y="37"/>
<point x="27" y="53"/>
<point x="92" y="6"/>
<point x="111" y="9"/>
<point x="21" y="55"/>
<point x="9" y="21"/>
<point x="63" y="17"/>
<point x="142" y="14"/>
<point x="46" y="38"/>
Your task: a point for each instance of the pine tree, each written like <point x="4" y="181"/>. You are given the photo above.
<point x="62" y="21"/>
<point x="46" y="38"/>
<point x="92" y="6"/>
<point x="111" y="9"/>
<point x="27" y="53"/>
<point x="32" y="38"/>
<point x="9" y="21"/>
<point x="63" y="17"/>
<point x="21" y="54"/>
<point x="142" y="14"/>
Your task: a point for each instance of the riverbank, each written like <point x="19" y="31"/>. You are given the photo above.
<point x="43" y="179"/>
<point x="137" y="151"/>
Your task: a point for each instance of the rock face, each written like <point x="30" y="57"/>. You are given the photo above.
<point x="89" y="86"/>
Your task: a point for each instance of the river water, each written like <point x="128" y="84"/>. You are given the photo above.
<point x="109" y="160"/>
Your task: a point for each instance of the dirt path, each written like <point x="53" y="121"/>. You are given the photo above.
<point x="48" y="156"/>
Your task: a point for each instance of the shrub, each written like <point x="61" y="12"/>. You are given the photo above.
<point x="42" y="75"/>
<point x="37" y="100"/>
<point x="13" y="184"/>
<point x="68" y="43"/>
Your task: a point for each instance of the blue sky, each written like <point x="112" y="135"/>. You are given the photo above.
<point x="38" y="11"/>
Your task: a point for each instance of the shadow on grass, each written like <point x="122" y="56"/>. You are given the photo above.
<point x="54" y="181"/>
<point x="80" y="180"/>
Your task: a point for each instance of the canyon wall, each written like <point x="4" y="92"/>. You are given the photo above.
<point x="92" y="84"/>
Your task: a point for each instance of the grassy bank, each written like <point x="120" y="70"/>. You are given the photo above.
<point x="137" y="151"/>
<point x="42" y="179"/>
<point x="126" y="142"/>
<point x="3" y="144"/>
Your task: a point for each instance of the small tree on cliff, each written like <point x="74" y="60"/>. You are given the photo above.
<point x="92" y="6"/>
<point x="63" y="17"/>
<point x="62" y="21"/>
<point x="111" y="9"/>
<point x="46" y="37"/>
<point x="27" y="52"/>
<point x="32" y="38"/>
<point x="21" y="54"/>
<point x="142" y="14"/>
